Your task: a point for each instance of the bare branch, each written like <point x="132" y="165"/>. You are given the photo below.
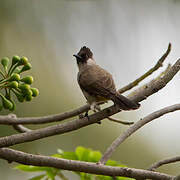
<point x="19" y="128"/>
<point x="134" y="128"/>
<point x="38" y="160"/>
<point x="9" y="119"/>
<point x="163" y="162"/>
<point x="148" y="73"/>
<point x="94" y="118"/>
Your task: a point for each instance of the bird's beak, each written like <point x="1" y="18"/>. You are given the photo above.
<point x="77" y="56"/>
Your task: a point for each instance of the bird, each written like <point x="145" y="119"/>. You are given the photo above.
<point x="97" y="84"/>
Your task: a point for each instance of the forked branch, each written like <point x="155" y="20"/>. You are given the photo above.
<point x="156" y="165"/>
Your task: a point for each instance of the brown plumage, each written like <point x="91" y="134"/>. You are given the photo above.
<point x="97" y="84"/>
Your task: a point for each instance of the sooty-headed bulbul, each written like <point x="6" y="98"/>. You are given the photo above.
<point x="97" y="84"/>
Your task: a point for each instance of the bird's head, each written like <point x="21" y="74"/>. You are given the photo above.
<point x="84" y="55"/>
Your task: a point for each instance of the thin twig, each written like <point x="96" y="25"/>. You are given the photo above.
<point x="94" y="118"/>
<point x="156" y="165"/>
<point x="134" y="128"/>
<point x="120" y="121"/>
<point x="38" y="160"/>
<point x="114" y="119"/>
<point x="148" y="73"/>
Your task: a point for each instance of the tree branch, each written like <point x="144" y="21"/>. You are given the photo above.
<point x="148" y="73"/>
<point x="134" y="128"/>
<point x="21" y="128"/>
<point x="163" y="162"/>
<point x="10" y="120"/>
<point x="94" y="118"/>
<point x="38" y="160"/>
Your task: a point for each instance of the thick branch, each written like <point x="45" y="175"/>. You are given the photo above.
<point x="134" y="128"/>
<point x="94" y="118"/>
<point x="148" y="73"/>
<point x="38" y="160"/>
<point x="163" y="162"/>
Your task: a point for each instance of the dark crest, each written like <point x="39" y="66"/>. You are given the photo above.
<point x="85" y="52"/>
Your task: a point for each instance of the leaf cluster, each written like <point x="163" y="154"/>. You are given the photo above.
<point x="80" y="154"/>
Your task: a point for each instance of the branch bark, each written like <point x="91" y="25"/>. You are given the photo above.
<point x="38" y="160"/>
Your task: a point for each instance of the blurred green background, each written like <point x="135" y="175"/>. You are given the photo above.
<point x="127" y="38"/>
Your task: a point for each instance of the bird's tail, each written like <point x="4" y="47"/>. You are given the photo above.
<point x="123" y="102"/>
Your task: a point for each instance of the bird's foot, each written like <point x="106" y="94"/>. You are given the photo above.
<point x="86" y="115"/>
<point x="96" y="108"/>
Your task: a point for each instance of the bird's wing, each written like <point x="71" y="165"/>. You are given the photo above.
<point x="96" y="81"/>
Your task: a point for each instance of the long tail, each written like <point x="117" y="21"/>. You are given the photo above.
<point x="123" y="102"/>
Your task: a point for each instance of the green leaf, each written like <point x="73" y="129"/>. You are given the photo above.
<point x="112" y="163"/>
<point x="29" y="168"/>
<point x="85" y="176"/>
<point x="39" y="177"/>
<point x="94" y="156"/>
<point x="82" y="153"/>
<point x="100" y="177"/>
<point x="51" y="174"/>
<point x="124" y="178"/>
<point x="69" y="155"/>
<point x="57" y="155"/>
